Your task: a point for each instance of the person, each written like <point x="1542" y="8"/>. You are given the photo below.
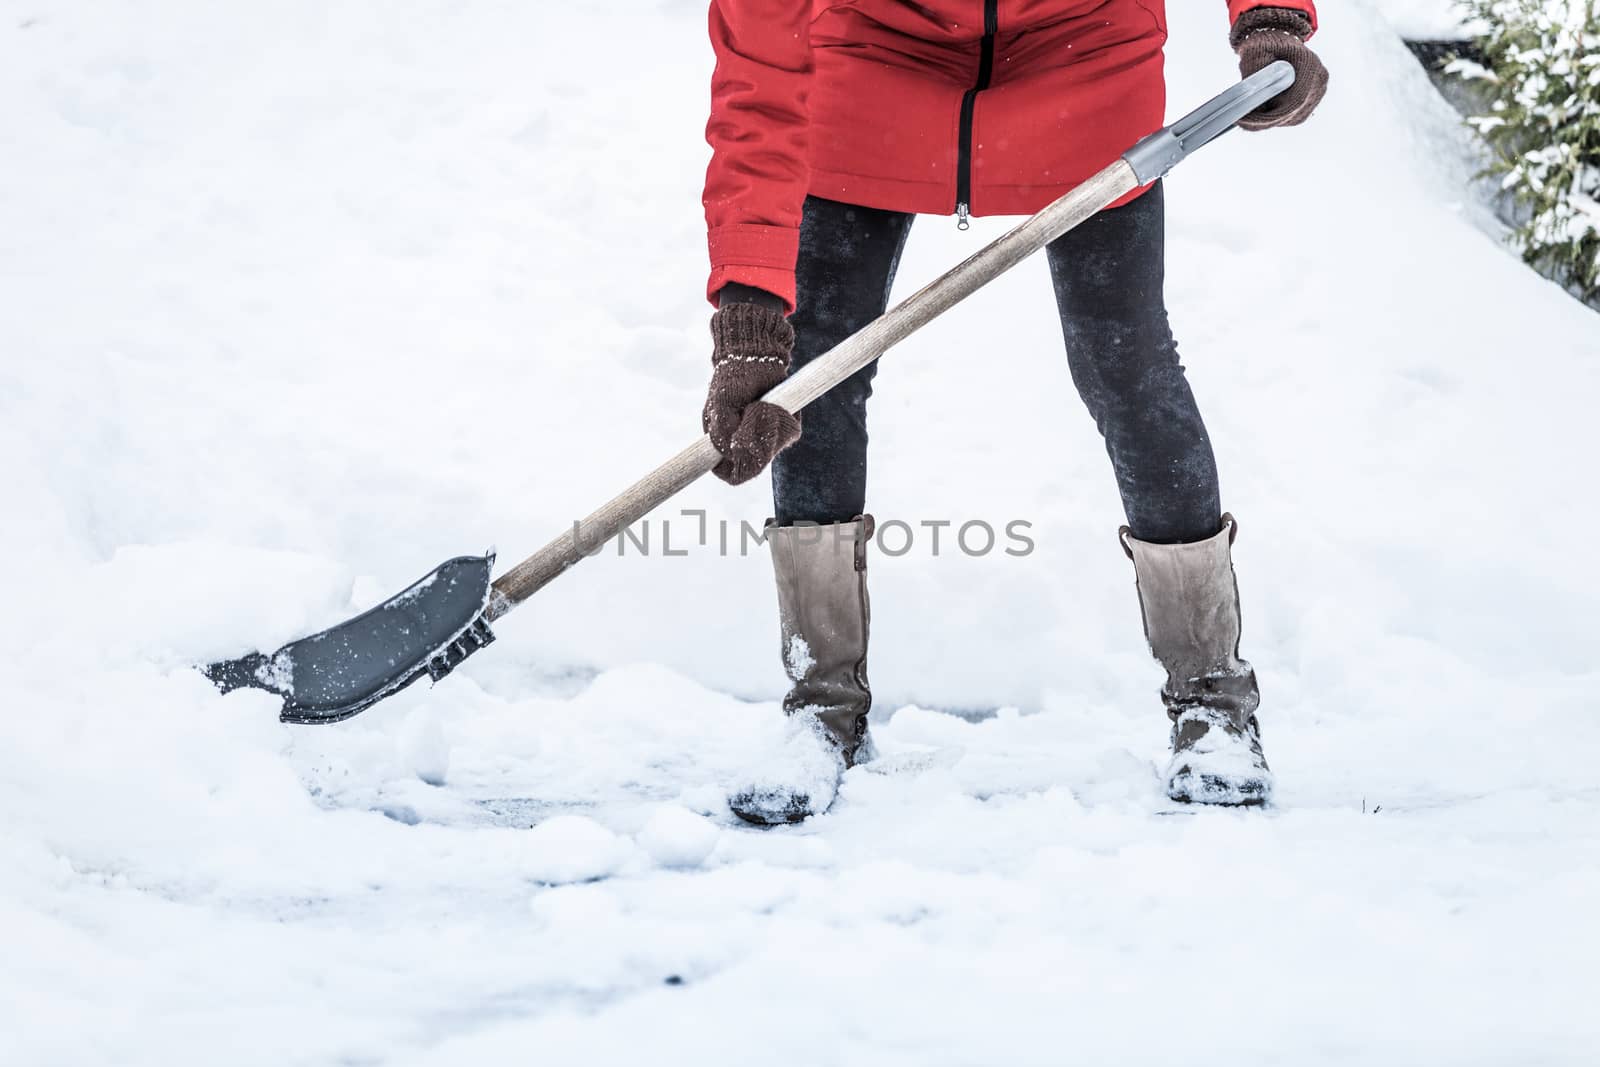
<point x="832" y="126"/>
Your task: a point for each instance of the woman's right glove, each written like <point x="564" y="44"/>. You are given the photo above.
<point x="1261" y="37"/>
<point x="751" y="347"/>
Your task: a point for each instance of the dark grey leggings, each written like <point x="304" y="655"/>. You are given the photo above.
<point x="1108" y="275"/>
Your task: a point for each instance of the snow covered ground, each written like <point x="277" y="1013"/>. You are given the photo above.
<point x="1425" y="20"/>
<point x="302" y="298"/>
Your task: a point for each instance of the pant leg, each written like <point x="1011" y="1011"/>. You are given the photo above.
<point x="847" y="262"/>
<point x="1109" y="275"/>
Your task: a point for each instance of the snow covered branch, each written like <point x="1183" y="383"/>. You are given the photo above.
<point x="1543" y="78"/>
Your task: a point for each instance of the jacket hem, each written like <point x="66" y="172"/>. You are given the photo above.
<point x="938" y="198"/>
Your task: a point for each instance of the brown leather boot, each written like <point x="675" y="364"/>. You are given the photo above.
<point x="824" y="616"/>
<point x="1190" y="600"/>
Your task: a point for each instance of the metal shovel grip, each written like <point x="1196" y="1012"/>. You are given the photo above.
<point x="1144" y="163"/>
<point x="1158" y="153"/>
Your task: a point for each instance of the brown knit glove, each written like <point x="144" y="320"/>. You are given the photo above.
<point x="751" y="345"/>
<point x="1264" y="35"/>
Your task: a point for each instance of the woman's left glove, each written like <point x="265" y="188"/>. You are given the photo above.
<point x="751" y="347"/>
<point x="1264" y="35"/>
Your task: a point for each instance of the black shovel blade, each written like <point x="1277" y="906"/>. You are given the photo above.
<point x="330" y="676"/>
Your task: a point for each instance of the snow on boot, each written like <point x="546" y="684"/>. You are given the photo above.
<point x="1190" y="601"/>
<point x="823" y="616"/>
<point x="799" y="779"/>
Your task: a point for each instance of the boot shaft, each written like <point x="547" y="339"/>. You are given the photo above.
<point x="824" y="618"/>
<point x="1190" y="601"/>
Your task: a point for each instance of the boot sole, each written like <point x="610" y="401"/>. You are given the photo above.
<point x="797" y="811"/>
<point x="1220" y="793"/>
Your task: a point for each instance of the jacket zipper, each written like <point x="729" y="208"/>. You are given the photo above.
<point x="969" y="101"/>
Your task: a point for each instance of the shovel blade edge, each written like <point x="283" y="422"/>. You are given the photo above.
<point x="428" y="629"/>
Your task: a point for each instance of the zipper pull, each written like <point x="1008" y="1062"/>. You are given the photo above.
<point x="961" y="217"/>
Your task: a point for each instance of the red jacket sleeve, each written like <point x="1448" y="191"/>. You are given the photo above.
<point x="760" y="142"/>
<point x="1239" y="7"/>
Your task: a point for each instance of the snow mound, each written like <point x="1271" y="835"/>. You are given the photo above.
<point x="571" y="848"/>
<point x="677" y="837"/>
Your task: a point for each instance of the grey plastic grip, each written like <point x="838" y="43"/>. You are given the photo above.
<point x="1157" y="154"/>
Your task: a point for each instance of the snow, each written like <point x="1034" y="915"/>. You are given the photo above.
<point x="424" y="747"/>
<point x="571" y="848"/>
<point x="1425" y="20"/>
<point x="302" y="299"/>
<point x="797" y="657"/>
<point x="677" y="837"/>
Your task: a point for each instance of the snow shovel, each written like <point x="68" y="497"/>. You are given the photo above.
<point x="431" y="627"/>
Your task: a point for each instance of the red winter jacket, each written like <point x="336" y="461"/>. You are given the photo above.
<point x="994" y="107"/>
